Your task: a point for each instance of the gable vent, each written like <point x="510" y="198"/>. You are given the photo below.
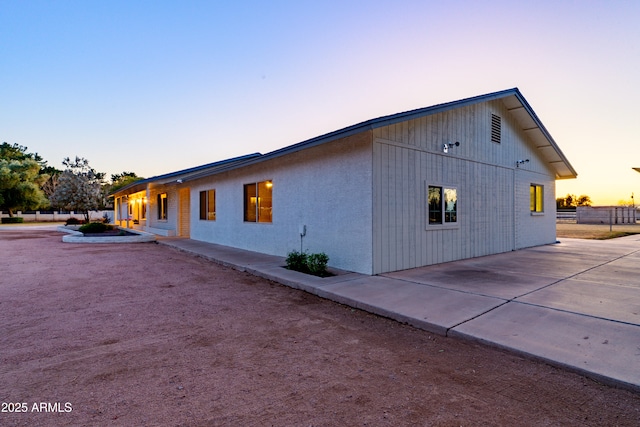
<point x="496" y="128"/>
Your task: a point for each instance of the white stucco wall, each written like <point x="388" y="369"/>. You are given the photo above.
<point x="170" y="225"/>
<point x="326" y="188"/>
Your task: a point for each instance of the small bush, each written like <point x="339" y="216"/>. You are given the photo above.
<point x="13" y="220"/>
<point x="94" y="227"/>
<point x="297" y="261"/>
<point x="74" y="221"/>
<point x="315" y="264"/>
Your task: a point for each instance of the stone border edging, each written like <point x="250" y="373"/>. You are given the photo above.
<point x="74" y="236"/>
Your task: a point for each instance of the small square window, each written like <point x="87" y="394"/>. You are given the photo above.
<point x="258" y="202"/>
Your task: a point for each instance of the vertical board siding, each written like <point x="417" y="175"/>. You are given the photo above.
<point x="493" y="195"/>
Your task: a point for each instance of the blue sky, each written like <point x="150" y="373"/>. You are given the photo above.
<point x="156" y="86"/>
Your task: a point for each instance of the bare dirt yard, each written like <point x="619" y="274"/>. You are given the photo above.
<point x="144" y="335"/>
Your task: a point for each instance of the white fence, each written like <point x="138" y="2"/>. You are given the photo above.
<point x="605" y="215"/>
<point x="57" y="216"/>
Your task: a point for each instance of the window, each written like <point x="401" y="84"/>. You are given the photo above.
<point x="258" y="202"/>
<point x="162" y="206"/>
<point x="536" y="199"/>
<point x="443" y="205"/>
<point x="208" y="205"/>
<point x="496" y="128"/>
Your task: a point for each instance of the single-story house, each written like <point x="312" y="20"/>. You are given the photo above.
<point x="452" y="181"/>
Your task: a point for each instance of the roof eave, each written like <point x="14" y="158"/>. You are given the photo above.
<point x="182" y="175"/>
<point x="572" y="172"/>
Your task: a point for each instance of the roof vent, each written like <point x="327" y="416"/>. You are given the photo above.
<point x="496" y="128"/>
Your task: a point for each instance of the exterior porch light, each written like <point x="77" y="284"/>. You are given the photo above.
<point x="446" y="146"/>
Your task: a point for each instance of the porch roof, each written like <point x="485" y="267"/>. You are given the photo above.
<point x="185" y="174"/>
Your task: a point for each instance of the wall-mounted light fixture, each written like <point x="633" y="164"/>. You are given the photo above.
<point x="446" y="146"/>
<point x="179" y="181"/>
<point x="521" y="162"/>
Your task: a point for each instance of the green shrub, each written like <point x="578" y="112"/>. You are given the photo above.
<point x="317" y="264"/>
<point x="94" y="227"/>
<point x="74" y="221"/>
<point x="13" y="220"/>
<point x="297" y="261"/>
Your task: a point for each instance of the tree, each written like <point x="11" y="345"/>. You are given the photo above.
<point x="627" y="203"/>
<point x="20" y="179"/>
<point x="79" y="187"/>
<point x="583" y="200"/>
<point x="49" y="185"/>
<point x="571" y="201"/>
<point x="120" y="180"/>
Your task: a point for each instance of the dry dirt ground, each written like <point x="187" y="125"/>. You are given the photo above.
<point x="143" y="335"/>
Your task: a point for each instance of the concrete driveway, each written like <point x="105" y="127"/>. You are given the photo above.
<point x="576" y="303"/>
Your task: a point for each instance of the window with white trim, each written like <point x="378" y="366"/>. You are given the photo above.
<point x="442" y="205"/>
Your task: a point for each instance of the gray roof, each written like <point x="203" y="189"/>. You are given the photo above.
<point x="512" y="98"/>
<point x="184" y="174"/>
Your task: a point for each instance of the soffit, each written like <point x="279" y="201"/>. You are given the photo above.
<point x="538" y="135"/>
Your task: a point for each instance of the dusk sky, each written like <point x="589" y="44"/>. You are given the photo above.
<point x="157" y="86"/>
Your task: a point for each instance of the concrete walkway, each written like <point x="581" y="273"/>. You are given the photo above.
<point x="575" y="304"/>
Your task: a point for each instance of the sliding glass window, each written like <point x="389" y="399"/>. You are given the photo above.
<point x="258" y="202"/>
<point x="442" y="205"/>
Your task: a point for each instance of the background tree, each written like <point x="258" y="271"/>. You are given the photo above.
<point x="565" y="202"/>
<point x="49" y="185"/>
<point x="627" y="203"/>
<point x="571" y="201"/>
<point x="583" y="200"/>
<point x="79" y="187"/>
<point x="20" y="179"/>
<point x="120" y="180"/>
